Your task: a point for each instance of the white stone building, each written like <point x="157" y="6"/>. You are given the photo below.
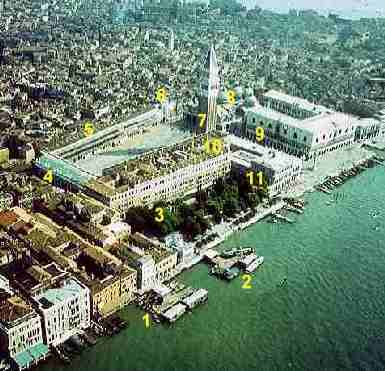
<point x="65" y="310"/>
<point x="367" y="129"/>
<point x="308" y="138"/>
<point x="281" y="170"/>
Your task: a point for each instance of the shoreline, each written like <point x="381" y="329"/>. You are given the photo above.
<point x="232" y="228"/>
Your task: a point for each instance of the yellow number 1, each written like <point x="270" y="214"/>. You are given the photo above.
<point x="260" y="177"/>
<point x="247" y="279"/>
<point x="146" y="319"/>
<point x="250" y="175"/>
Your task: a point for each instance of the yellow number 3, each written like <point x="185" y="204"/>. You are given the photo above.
<point x="247" y="279"/>
<point x="160" y="217"/>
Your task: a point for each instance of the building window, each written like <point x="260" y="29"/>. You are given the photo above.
<point x="261" y="123"/>
<point x="254" y="120"/>
<point x="304" y="139"/>
<point x="295" y="135"/>
<point x="316" y="140"/>
<point x="324" y="136"/>
<point x="285" y="131"/>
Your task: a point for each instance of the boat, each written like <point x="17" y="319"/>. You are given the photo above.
<point x="230" y="274"/>
<point x="272" y="220"/>
<point x="61" y="354"/>
<point x="283" y="282"/>
<point x="254" y="264"/>
<point x="88" y="338"/>
<point x="240" y="251"/>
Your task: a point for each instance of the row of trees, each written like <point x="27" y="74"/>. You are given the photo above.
<point x="225" y="199"/>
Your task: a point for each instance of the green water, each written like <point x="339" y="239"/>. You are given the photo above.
<point x="330" y="316"/>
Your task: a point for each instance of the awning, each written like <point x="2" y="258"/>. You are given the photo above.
<point x="38" y="351"/>
<point x="23" y="359"/>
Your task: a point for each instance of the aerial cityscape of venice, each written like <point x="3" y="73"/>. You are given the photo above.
<point x="192" y="185"/>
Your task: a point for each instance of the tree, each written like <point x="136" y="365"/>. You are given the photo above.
<point x="202" y="198"/>
<point x="219" y="186"/>
<point x="230" y="206"/>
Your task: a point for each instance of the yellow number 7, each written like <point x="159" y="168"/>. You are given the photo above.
<point x="202" y="117"/>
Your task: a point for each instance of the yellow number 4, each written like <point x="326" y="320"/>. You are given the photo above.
<point x="247" y="280"/>
<point x="48" y="177"/>
<point x="146" y="319"/>
<point x="202" y="119"/>
<point x="260" y="134"/>
<point x="160" y="217"/>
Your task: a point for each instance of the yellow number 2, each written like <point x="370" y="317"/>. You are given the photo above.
<point x="48" y="177"/>
<point x="160" y="217"/>
<point x="247" y="279"/>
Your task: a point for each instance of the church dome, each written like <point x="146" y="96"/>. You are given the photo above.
<point x="250" y="101"/>
<point x="239" y="91"/>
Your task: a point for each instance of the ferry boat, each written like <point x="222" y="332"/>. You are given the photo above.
<point x="251" y="262"/>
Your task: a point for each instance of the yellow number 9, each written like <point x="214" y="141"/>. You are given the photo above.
<point x="259" y="133"/>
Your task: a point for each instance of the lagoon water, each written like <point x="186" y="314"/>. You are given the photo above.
<point x="329" y="316"/>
